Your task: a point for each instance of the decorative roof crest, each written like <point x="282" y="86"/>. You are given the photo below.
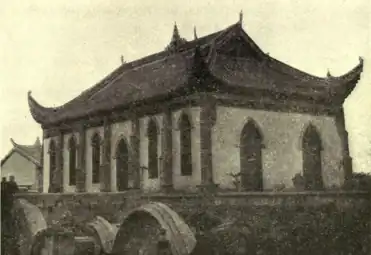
<point x="122" y="60"/>
<point x="241" y="18"/>
<point x="195" y="33"/>
<point x="176" y="40"/>
<point x="361" y="60"/>
<point x="329" y="73"/>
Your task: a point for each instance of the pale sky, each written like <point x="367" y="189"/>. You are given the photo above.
<point x="59" y="48"/>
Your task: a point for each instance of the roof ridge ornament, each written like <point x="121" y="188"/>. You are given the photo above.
<point x="329" y="73"/>
<point x="176" y="35"/>
<point x="176" y="40"/>
<point x="240" y="18"/>
<point x="37" y="142"/>
<point x="195" y="33"/>
<point x="122" y="60"/>
<point x="360" y="60"/>
<point x="199" y="67"/>
<point x="13" y="142"/>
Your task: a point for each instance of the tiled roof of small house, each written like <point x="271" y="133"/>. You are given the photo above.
<point x="30" y="152"/>
<point x="170" y="70"/>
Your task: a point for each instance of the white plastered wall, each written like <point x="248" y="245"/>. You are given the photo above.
<point x="46" y="165"/>
<point x="282" y="155"/>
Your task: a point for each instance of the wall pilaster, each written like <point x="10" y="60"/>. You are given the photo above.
<point x="105" y="169"/>
<point x="347" y="159"/>
<point x="58" y="175"/>
<point x="167" y="157"/>
<point x="207" y="121"/>
<point x="81" y="161"/>
<point x="134" y="166"/>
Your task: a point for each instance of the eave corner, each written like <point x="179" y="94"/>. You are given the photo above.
<point x="38" y="112"/>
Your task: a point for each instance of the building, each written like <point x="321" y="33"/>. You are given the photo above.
<point x="213" y="111"/>
<point x="24" y="163"/>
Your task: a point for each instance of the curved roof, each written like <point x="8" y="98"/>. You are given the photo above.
<point x="30" y="152"/>
<point x="166" y="72"/>
<point x="182" y="239"/>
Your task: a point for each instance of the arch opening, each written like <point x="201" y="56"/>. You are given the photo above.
<point x="251" y="145"/>
<point x="122" y="165"/>
<point x="152" y="149"/>
<point x="96" y="151"/>
<point x="312" y="159"/>
<point x="185" y="145"/>
<point x="141" y="228"/>
<point x="52" y="164"/>
<point x="28" y="221"/>
<point x="72" y="160"/>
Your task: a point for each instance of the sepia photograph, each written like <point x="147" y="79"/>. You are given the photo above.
<point x="200" y="127"/>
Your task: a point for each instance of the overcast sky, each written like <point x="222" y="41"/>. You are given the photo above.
<point x="59" y="48"/>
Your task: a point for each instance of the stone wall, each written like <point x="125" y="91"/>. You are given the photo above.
<point x="113" y="205"/>
<point x="277" y="222"/>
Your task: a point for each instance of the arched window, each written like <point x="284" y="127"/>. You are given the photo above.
<point x="312" y="165"/>
<point x="152" y="150"/>
<point x="122" y="165"/>
<point x="52" y="164"/>
<point x="72" y="160"/>
<point x="185" y="145"/>
<point x="251" y="144"/>
<point x="96" y="143"/>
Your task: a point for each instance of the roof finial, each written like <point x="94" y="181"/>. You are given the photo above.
<point x="195" y="33"/>
<point x="176" y="35"/>
<point x="241" y="18"/>
<point x="37" y="143"/>
<point x="122" y="60"/>
<point x="176" y="40"/>
<point x="329" y="73"/>
<point x="361" y="60"/>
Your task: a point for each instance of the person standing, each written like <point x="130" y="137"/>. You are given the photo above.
<point x="13" y="186"/>
<point x="4" y="214"/>
<point x="12" y="189"/>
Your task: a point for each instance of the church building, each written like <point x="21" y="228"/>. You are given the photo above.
<point x="215" y="111"/>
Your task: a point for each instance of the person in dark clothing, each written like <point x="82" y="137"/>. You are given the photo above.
<point x="4" y="191"/>
<point x="3" y="183"/>
<point x="4" y="212"/>
<point x="9" y="242"/>
<point x="5" y="200"/>
<point x="12" y="185"/>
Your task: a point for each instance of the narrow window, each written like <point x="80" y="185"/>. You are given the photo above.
<point x="251" y="145"/>
<point x="152" y="150"/>
<point x="312" y="164"/>
<point x="122" y="165"/>
<point x="72" y="160"/>
<point x="52" y="165"/>
<point x="96" y="144"/>
<point x="185" y="145"/>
